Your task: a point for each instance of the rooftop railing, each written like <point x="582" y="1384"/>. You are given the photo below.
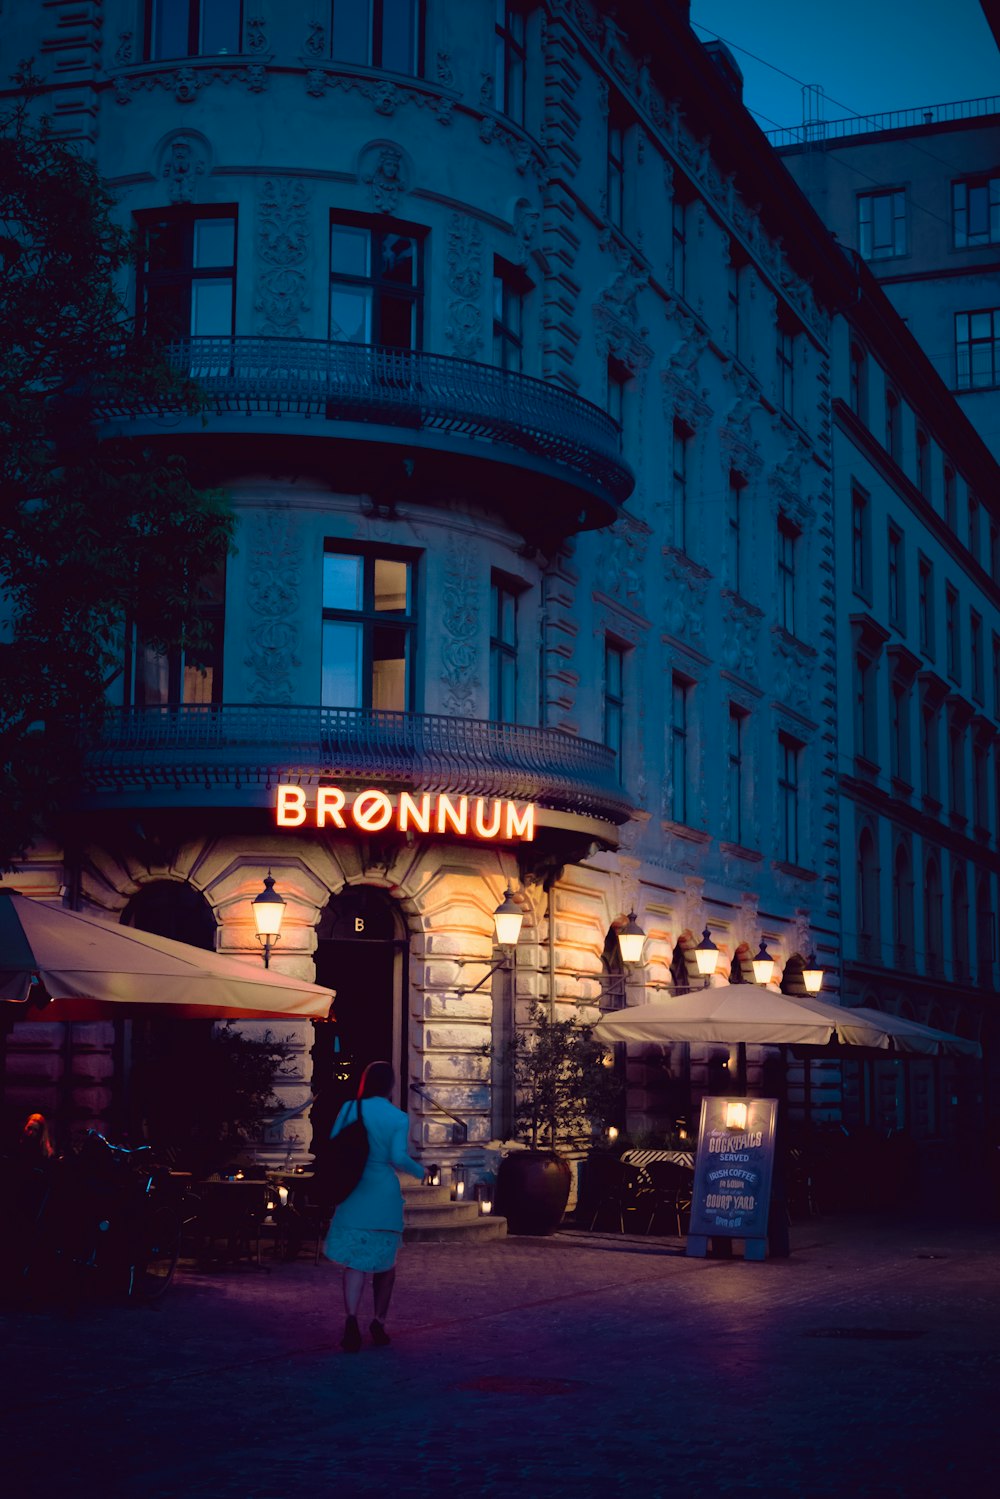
<point x="893" y="119"/>
<point x="249" y="745"/>
<point x="401" y="387"/>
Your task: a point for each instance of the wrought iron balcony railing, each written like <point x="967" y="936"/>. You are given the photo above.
<point x="245" y="745"/>
<point x="399" y="387"/>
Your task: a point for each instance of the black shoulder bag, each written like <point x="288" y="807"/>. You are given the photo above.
<point x="340" y="1162"/>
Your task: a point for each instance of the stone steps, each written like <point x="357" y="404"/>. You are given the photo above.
<point x="430" y="1217"/>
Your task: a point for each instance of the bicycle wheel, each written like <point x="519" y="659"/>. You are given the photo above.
<point x="159" y="1244"/>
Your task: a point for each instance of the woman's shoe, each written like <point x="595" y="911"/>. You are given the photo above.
<point x="351" y="1341"/>
<point x="380" y="1337"/>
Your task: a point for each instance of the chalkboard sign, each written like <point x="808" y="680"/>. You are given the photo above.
<point x="732" y="1174"/>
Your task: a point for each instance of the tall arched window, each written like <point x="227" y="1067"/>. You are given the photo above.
<point x="960" y="925"/>
<point x="868" y="897"/>
<point x="933" y="958"/>
<point x="902" y="908"/>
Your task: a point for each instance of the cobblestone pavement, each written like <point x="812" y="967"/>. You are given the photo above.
<point x="866" y="1364"/>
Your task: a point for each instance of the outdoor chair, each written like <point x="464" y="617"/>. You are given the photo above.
<point x="611" y="1189"/>
<point x="231" y="1213"/>
<point x="670" y="1192"/>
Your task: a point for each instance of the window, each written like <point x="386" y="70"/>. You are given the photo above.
<point x="618" y="123"/>
<point x="976" y="654"/>
<point x="368" y="629"/>
<point x="509" y="287"/>
<point x="996" y="675"/>
<point x="509" y="61"/>
<point x="679" y="484"/>
<point x="734" y="531"/>
<point x="859" y="542"/>
<point x="734" y="268"/>
<point x="858" y="382"/>
<point x="678" y="244"/>
<point x="994" y="558"/>
<point x="503" y="651"/>
<point x="956" y="769"/>
<point x="737" y="788"/>
<point x="925" y="604"/>
<point x="899" y="743"/>
<point x="985" y="933"/>
<point x="864" y="707"/>
<point x="923" y="463"/>
<point x="895" y="560"/>
<point x="377" y="33"/>
<point x="868" y="897"/>
<point x="192" y="28"/>
<point x="980" y="810"/>
<point x="375" y="288"/>
<point x="951" y="633"/>
<point x="960" y="925"/>
<point x="618" y="379"/>
<point x="882" y="224"/>
<point x="154" y="679"/>
<point x="902" y="908"/>
<point x="680" y="758"/>
<point x="787" y="537"/>
<point x="786" y="370"/>
<point x="975" y="208"/>
<point x="614" y="699"/>
<point x="932" y="917"/>
<point x="950" y="497"/>
<point x="974" y="526"/>
<point x="789" y="756"/>
<point x="187" y="274"/>
<point x="929" y="758"/>
<point x="893" y="425"/>
<point x="977" y="349"/>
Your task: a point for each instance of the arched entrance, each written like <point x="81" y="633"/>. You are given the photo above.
<point x="361" y="952"/>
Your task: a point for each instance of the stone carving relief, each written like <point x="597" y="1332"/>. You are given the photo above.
<point x="786" y="476"/>
<point x="740" y="635"/>
<point x="316" y="40"/>
<point x="256" y="35"/>
<point x="465" y="283"/>
<point x="459" y="648"/>
<point x="684" y="596"/>
<point x="283" y="253"/>
<point x="272" y="599"/>
<point x="123" y="52"/>
<point x="184" y="157"/>
<point x="626" y="556"/>
<point x="683" y="397"/>
<point x="738" y="448"/>
<point x="525" y="224"/>
<point x="445" y="71"/>
<point x="793" y="671"/>
<point x="186" y="83"/>
<point x="387" y="172"/>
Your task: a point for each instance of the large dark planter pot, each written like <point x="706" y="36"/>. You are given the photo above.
<point x="532" y="1191"/>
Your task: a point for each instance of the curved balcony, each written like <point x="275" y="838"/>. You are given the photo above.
<point x="408" y="395"/>
<point x="192" y="752"/>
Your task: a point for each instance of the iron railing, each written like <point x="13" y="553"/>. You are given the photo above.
<point x="401" y="387"/>
<point x="892" y="119"/>
<point x="247" y="744"/>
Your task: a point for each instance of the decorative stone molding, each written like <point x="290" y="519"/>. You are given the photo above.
<point x="525" y="227"/>
<point x="740" y="633"/>
<point x="315" y="45"/>
<point x="272" y="598"/>
<point x="385" y="95"/>
<point x="786" y="476"/>
<point x="684" y="596"/>
<point x="618" y="340"/>
<point x="183" y="158"/>
<point x="186" y="83"/>
<point x="683" y="398"/>
<point x="445" y="71"/>
<point x="793" y="670"/>
<point x="123" y="52"/>
<point x="256" y="36"/>
<point x="387" y="171"/>
<point x="283" y="253"/>
<point x="459" y="647"/>
<point x="738" y="448"/>
<point x="626" y="557"/>
<point x="463" y="329"/>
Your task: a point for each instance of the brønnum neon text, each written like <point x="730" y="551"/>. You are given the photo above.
<point x="372" y="810"/>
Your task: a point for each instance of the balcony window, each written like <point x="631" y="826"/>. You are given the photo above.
<point x="882" y="224"/>
<point x="157" y="679"/>
<point x="977" y="349"/>
<point x="614" y="699"/>
<point x="187" y="274"/>
<point x="368" y="629"/>
<point x="375" y="286"/>
<point x="509" y="60"/>
<point x="503" y="651"/>
<point x="192" y="28"/>
<point x="509" y="288"/>
<point x="975" y="207"/>
<point x="377" y="33"/>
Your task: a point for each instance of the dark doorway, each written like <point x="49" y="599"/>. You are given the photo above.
<point x="361" y="954"/>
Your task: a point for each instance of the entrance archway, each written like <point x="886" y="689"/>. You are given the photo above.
<point x="361" y="952"/>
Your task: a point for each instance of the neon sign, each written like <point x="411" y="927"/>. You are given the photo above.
<point x="371" y="811"/>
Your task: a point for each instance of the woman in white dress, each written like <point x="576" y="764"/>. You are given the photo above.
<point x="367" y="1227"/>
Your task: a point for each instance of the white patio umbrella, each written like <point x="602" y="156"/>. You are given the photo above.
<point x="94" y="969"/>
<point x="733" y="1013"/>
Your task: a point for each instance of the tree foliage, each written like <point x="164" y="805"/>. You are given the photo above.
<point x="562" y="1086"/>
<point x="95" y="529"/>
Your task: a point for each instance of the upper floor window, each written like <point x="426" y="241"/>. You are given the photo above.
<point x="375" y="286"/>
<point x="882" y="224"/>
<point x="976" y="654"/>
<point x="737" y="773"/>
<point x="975" y="207"/>
<point x="789" y="811"/>
<point x="859" y="542"/>
<point x="994" y="557"/>
<point x="503" y="651"/>
<point x="368" y="628"/>
<point x="893" y="425"/>
<point x="187" y="273"/>
<point x="923" y="463"/>
<point x="925" y="604"/>
<point x="977" y="349"/>
<point x="895" y="576"/>
<point x="974" y="526"/>
<point x="155" y="678"/>
<point x="509" y="60"/>
<point x="618" y="379"/>
<point x="509" y="287"/>
<point x="735" y="538"/>
<point x="679" y="483"/>
<point x="788" y="536"/>
<point x="734" y="269"/>
<point x="951" y="633"/>
<point x="678" y="232"/>
<point x="950" y="497"/>
<point x="192" y="28"/>
<point x="858" y="382"/>
<point x="614" y="699"/>
<point x="618" y="123"/>
<point x="680" y="747"/>
<point x="786" y="369"/>
<point x="377" y="34"/>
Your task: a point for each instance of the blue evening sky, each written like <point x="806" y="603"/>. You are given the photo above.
<point x="869" y="55"/>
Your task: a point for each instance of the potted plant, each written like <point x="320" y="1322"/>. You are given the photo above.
<point x="562" y="1088"/>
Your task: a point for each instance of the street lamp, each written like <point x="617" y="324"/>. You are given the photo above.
<point x="507" y="919"/>
<point x="812" y="975"/>
<point x="706" y="955"/>
<point x="763" y="965"/>
<point x="631" y="940"/>
<point x="268" y="912"/>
